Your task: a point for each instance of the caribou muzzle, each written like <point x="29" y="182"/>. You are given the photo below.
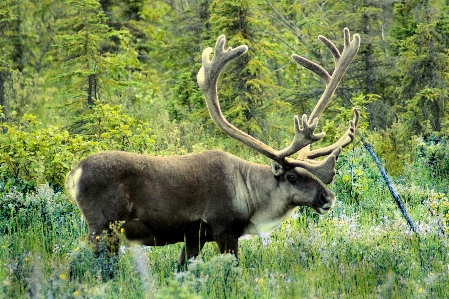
<point x="325" y="203"/>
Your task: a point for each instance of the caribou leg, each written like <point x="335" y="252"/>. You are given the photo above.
<point x="191" y="249"/>
<point x="228" y="244"/>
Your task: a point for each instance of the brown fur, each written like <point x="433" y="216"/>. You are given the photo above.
<point x="210" y="196"/>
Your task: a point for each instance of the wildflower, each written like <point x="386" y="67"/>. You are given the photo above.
<point x="76" y="293"/>
<point x="63" y="276"/>
<point x="260" y="280"/>
<point x="420" y="290"/>
<point x="122" y="230"/>
<point x="97" y="237"/>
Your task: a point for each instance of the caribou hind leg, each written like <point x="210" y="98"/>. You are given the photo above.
<point x="105" y="238"/>
<point x="228" y="244"/>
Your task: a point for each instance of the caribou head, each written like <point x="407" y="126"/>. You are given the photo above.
<point x="213" y="195"/>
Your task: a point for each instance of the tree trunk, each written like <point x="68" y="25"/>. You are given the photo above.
<point x="92" y="90"/>
<point x="3" y="75"/>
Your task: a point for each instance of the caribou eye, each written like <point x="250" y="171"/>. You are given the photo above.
<point x="292" y="178"/>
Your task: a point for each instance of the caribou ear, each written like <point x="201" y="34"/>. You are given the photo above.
<point x="277" y="169"/>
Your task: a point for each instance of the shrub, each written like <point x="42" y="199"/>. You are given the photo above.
<point x="31" y="154"/>
<point x="435" y="155"/>
<point x="18" y="209"/>
<point x="214" y="278"/>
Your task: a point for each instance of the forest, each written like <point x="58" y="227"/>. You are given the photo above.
<point x="82" y="76"/>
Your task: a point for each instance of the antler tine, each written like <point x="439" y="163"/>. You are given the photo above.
<point x="207" y="80"/>
<point x="211" y="69"/>
<point x="342" y="62"/>
<point x="346" y="139"/>
<point x="324" y="170"/>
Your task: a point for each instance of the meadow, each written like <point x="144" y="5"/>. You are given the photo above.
<point x="82" y="76"/>
<point x="363" y="249"/>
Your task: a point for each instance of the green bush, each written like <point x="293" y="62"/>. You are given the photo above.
<point x="51" y="208"/>
<point x="31" y="154"/>
<point x="214" y="278"/>
<point x="433" y="152"/>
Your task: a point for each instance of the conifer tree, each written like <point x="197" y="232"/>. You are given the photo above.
<point x="422" y="44"/>
<point x="6" y="15"/>
<point x="91" y="72"/>
<point x="246" y="85"/>
<point x="182" y="58"/>
<point x="23" y="52"/>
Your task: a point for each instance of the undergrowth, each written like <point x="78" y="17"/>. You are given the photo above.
<point x="363" y="249"/>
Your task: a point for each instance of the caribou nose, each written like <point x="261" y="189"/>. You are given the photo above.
<point x="327" y="203"/>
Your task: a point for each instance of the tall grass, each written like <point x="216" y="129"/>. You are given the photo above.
<point x="363" y="249"/>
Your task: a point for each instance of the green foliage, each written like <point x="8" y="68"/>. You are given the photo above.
<point x="39" y="154"/>
<point x="128" y="68"/>
<point x="439" y="207"/>
<point x="177" y="291"/>
<point x="366" y="241"/>
<point x="97" y="57"/>
<point x="395" y="147"/>
<point x="84" y="266"/>
<point x="335" y="126"/>
<point x="214" y="278"/>
<point x="433" y="152"/>
<point x="246" y="84"/>
<point x="187" y="98"/>
<point x="423" y="66"/>
<point x="51" y="207"/>
<point x="113" y="129"/>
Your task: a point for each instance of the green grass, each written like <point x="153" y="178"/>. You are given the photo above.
<point x="363" y="249"/>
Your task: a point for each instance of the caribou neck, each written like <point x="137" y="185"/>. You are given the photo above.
<point x="263" y="198"/>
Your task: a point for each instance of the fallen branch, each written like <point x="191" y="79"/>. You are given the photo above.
<point x="396" y="197"/>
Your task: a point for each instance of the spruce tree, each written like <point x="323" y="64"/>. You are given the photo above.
<point x="422" y="91"/>
<point x="91" y="71"/>
<point x="246" y="85"/>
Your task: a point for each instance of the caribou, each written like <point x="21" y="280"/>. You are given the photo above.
<point x="214" y="195"/>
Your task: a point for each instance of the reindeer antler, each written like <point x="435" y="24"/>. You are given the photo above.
<point x="325" y="170"/>
<point x="342" y="62"/>
<point x="207" y="80"/>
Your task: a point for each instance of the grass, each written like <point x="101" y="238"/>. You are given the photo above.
<point x="363" y="249"/>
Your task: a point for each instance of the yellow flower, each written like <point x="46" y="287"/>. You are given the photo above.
<point x="122" y="230"/>
<point x="63" y="276"/>
<point x="98" y="237"/>
<point x="260" y="280"/>
<point x="76" y="293"/>
<point x="420" y="290"/>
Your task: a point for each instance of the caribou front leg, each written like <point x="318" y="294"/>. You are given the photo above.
<point x="191" y="249"/>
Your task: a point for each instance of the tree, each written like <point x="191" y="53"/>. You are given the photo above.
<point x="423" y="64"/>
<point x="181" y="53"/>
<point x="92" y="73"/>
<point x="247" y="84"/>
<point x="19" y="59"/>
<point x="6" y="16"/>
